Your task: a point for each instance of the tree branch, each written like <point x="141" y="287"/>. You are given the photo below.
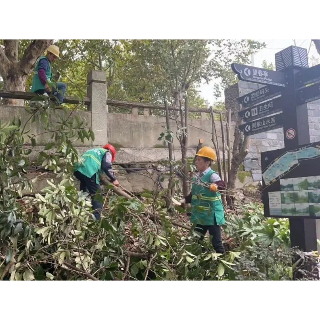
<point x="4" y="63"/>
<point x="11" y="49"/>
<point x="88" y="275"/>
<point x="149" y="265"/>
<point x="32" y="53"/>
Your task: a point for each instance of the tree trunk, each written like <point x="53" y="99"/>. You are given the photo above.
<point x="223" y="151"/>
<point x="215" y="141"/>
<point x="14" y="72"/>
<point x="183" y="141"/>
<point x="240" y="150"/>
<point x="14" y="82"/>
<point x="170" y="192"/>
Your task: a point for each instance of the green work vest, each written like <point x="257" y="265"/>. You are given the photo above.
<point x="206" y="205"/>
<point x="90" y="163"/>
<point x="36" y="83"/>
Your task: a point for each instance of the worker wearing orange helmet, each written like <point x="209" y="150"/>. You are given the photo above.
<point x="206" y="206"/>
<point x="42" y="78"/>
<point x="88" y="169"/>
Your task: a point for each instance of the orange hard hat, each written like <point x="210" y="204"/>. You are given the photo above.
<point x="207" y="152"/>
<point x="112" y="149"/>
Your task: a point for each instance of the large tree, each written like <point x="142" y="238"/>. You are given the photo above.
<point x="169" y="70"/>
<point x="16" y="65"/>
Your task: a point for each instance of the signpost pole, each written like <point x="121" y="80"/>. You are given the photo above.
<point x="302" y="231"/>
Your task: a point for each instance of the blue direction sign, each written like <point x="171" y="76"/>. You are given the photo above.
<point x="308" y="75"/>
<point x="261" y="110"/>
<point x="308" y="94"/>
<point x="259" y="95"/>
<point x="262" y="125"/>
<point x="258" y="75"/>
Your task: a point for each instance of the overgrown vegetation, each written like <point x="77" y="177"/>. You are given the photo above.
<point x="51" y="235"/>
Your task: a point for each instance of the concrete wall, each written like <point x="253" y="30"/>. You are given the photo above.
<point x="140" y="131"/>
<point x="8" y="113"/>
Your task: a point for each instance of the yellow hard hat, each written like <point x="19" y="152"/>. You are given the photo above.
<point x="207" y="152"/>
<point x="54" y="49"/>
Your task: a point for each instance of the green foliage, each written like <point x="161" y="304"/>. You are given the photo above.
<point x="253" y="228"/>
<point x="17" y="234"/>
<point x="266" y="65"/>
<point x="242" y="175"/>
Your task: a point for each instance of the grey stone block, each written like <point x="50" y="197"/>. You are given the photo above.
<point x="314" y="133"/>
<point x="316" y="113"/>
<point x="97" y="76"/>
<point x="313" y="119"/>
<point x="252" y="149"/>
<point x="266" y="143"/>
<point x="272" y="136"/>
<point x="262" y="135"/>
<point x="256" y="176"/>
<point x="312" y="106"/>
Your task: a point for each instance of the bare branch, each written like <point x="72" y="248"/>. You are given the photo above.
<point x="32" y="53"/>
<point x="79" y="271"/>
<point x="149" y="265"/>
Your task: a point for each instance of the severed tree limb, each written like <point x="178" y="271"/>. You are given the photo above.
<point x="88" y="275"/>
<point x="127" y="268"/>
<point x="136" y="255"/>
<point x="149" y="265"/>
<point x="120" y="192"/>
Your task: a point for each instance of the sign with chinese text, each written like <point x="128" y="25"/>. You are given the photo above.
<point x="261" y="110"/>
<point x="261" y="125"/>
<point x="259" y="75"/>
<point x="259" y="95"/>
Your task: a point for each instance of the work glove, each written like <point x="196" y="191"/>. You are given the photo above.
<point x="183" y="203"/>
<point x="213" y="187"/>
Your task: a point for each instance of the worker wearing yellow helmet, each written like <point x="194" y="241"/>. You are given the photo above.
<point x="42" y="78"/>
<point x="207" y="211"/>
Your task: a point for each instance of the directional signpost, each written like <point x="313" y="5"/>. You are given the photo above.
<point x="291" y="176"/>
<point x="308" y="94"/>
<point x="261" y="110"/>
<point x="262" y="125"/>
<point x="258" y="75"/>
<point x="257" y="96"/>
<point x="307" y="76"/>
